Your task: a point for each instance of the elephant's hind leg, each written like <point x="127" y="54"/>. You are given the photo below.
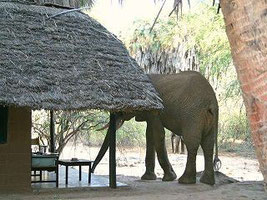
<point x="207" y="145"/>
<point x="150" y="155"/>
<point x="192" y="138"/>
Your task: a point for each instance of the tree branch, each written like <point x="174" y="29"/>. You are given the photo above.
<point x="157" y="16"/>
<point x="67" y="11"/>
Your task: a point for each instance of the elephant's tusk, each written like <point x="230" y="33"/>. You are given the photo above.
<point x="119" y="123"/>
<point x="104" y="127"/>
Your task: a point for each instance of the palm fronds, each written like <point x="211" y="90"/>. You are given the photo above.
<point x="87" y="3"/>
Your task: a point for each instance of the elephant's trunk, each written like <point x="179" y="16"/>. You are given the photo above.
<point x="102" y="151"/>
<point x="105" y="144"/>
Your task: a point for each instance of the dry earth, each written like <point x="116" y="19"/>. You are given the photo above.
<point x="131" y="166"/>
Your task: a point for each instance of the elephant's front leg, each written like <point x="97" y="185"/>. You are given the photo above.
<point x="159" y="140"/>
<point x="150" y="156"/>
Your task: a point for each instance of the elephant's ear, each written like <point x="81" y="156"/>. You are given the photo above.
<point x="146" y="115"/>
<point x="119" y="123"/>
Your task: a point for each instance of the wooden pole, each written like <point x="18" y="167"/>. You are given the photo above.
<point x="112" y="151"/>
<point x="52" y="132"/>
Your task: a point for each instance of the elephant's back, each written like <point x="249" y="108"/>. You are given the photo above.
<point x="185" y="95"/>
<point x="189" y="83"/>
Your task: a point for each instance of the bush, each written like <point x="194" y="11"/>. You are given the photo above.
<point x="234" y="133"/>
<point x="132" y="134"/>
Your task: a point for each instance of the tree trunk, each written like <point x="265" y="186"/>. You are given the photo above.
<point x="246" y="28"/>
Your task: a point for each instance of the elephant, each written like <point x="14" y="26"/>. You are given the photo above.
<point x="177" y="144"/>
<point x="191" y="111"/>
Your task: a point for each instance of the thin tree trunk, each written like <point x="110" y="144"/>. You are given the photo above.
<point x="246" y="28"/>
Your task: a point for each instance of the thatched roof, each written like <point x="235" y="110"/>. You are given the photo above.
<point x="67" y="62"/>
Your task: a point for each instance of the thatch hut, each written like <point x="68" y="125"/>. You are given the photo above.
<point x="63" y="62"/>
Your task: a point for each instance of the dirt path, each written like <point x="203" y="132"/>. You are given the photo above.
<point x="130" y="167"/>
<point x="155" y="190"/>
<point x="130" y="162"/>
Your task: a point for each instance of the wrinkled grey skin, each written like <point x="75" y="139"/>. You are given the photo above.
<point x="191" y="111"/>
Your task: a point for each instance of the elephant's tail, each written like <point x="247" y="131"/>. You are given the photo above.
<point x="216" y="162"/>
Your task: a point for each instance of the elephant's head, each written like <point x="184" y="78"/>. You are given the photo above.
<point x="121" y="117"/>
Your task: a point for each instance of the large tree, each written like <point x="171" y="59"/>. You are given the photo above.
<point x="246" y="28"/>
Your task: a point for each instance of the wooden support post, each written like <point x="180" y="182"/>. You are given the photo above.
<point x="52" y="132"/>
<point x="112" y="151"/>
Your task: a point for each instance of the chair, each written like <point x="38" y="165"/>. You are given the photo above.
<point x="41" y="161"/>
<point x="44" y="162"/>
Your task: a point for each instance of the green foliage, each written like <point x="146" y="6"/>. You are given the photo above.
<point x="203" y="30"/>
<point x="132" y="134"/>
<point x="234" y="135"/>
<point x="233" y="90"/>
<point x="212" y="44"/>
<point x="88" y="3"/>
<point x="163" y="36"/>
<point x="235" y="128"/>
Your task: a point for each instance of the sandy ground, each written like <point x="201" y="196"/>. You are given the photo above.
<point x="130" y="167"/>
<point x="130" y="162"/>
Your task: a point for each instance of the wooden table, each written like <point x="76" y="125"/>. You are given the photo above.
<point x="80" y="163"/>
